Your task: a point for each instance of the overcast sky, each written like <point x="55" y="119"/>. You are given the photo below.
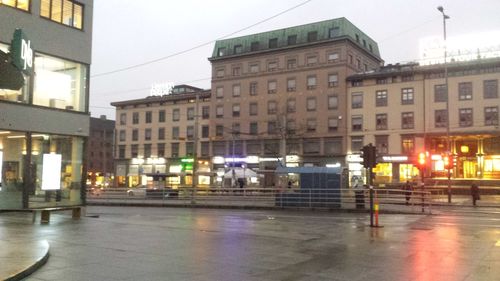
<point x="130" y="32"/>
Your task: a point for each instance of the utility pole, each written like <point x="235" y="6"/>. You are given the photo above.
<point x="195" y="149"/>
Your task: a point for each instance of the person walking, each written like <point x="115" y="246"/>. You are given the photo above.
<point x="359" y="195"/>
<point x="474" y="191"/>
<point x="408" y="190"/>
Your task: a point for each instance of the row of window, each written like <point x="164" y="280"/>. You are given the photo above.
<point x="465" y="118"/>
<point x="274" y="65"/>
<point x="162" y="115"/>
<point x="490" y="90"/>
<point x="331" y="146"/>
<point x="66" y="12"/>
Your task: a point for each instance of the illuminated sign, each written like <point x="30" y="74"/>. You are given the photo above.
<point x="187" y="160"/>
<point x="395" y="158"/>
<point x="336" y="165"/>
<point x="160" y="89"/>
<point x="51" y="172"/>
<point x="354" y="158"/>
<point x="22" y="52"/>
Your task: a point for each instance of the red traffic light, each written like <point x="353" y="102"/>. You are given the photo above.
<point x="446" y="162"/>
<point x="422" y="159"/>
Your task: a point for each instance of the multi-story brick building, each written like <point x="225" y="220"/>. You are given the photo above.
<point x="100" y="148"/>
<point x="283" y="92"/>
<point x="44" y="116"/>
<point x="401" y="109"/>
<point x="156" y="135"/>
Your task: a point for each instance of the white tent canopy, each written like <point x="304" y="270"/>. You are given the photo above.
<point x="240" y="173"/>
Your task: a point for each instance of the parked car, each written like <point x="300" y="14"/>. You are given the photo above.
<point x="94" y="190"/>
<point x="157" y="193"/>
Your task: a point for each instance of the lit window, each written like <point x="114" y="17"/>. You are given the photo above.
<point x="63" y="11"/>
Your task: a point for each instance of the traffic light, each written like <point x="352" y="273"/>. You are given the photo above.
<point x="422" y="160"/>
<point x="447" y="162"/>
<point x="369" y="156"/>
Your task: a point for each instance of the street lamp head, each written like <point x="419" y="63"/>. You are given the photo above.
<point x="441" y="9"/>
<point x="446" y="17"/>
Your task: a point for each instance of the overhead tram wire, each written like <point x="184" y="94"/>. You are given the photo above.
<point x="199" y="46"/>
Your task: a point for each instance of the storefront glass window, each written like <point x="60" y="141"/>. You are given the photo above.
<point x="60" y="83"/>
<point x="11" y="167"/>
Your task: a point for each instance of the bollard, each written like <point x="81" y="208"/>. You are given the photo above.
<point x="376" y="214"/>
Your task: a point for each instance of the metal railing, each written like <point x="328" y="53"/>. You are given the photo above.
<point x="388" y="200"/>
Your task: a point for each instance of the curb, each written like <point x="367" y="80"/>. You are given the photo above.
<point x="32" y="268"/>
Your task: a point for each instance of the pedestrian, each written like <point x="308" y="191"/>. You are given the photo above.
<point x="408" y="190"/>
<point x="474" y="191"/>
<point x="359" y="194"/>
<point x="289" y="184"/>
<point x="241" y="182"/>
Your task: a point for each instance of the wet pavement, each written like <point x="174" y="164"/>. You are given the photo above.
<point x="134" y="243"/>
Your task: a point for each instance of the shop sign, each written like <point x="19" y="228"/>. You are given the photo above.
<point x="22" y="52"/>
<point x="51" y="171"/>
<point x="395" y="158"/>
<point x="354" y="158"/>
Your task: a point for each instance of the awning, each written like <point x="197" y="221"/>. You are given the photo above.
<point x="308" y="170"/>
<point x="240" y="173"/>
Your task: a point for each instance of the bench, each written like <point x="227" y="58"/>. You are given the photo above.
<point x="45" y="212"/>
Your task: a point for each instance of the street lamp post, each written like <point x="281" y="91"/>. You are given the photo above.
<point x="448" y="141"/>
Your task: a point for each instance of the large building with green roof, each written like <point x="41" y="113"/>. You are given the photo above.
<point x="281" y="94"/>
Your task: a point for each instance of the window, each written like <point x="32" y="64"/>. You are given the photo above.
<point x="381" y="81"/>
<point x="175" y="133"/>
<point x="333" y="80"/>
<point x="238" y="49"/>
<point x="465" y="91"/>
<point x="333" y="124"/>
<point x="160" y="150"/>
<point x="135" y="135"/>
<point x="254" y="46"/>
<point x="66" y="12"/>
<point x="350" y="59"/>
<point x="253" y="88"/>
<point x="221" y="51"/>
<point x="254" y="129"/>
<point x="219" y="92"/>
<point x="253" y="109"/>
<point x="333" y="57"/>
<point x="271" y="107"/>
<point x="440" y="118"/>
<point x="219" y="130"/>
<point x="190" y="132"/>
<point x="407" y="120"/>
<point x="311" y="82"/>
<point x="311" y="60"/>
<point x="236" y="90"/>
<point x="176" y="114"/>
<point x="365" y="67"/>
<point x="333" y="102"/>
<point x="149" y="117"/>
<point x="271" y="127"/>
<point x="220" y="73"/>
<point x="290" y="126"/>
<point x="271" y="87"/>
<point x="205" y="129"/>
<point x="408" y="145"/>
<point x="135" y="118"/>
<point x="333" y="146"/>
<point x="292" y="40"/>
<point x="190" y="113"/>
<point x="235" y="128"/>
<point x="357" y="123"/>
<point x="236" y="110"/>
<point x="465" y="117"/>
<point x="291" y="63"/>
<point x="272" y="66"/>
<point x="236" y="71"/>
<point x="311" y="104"/>
<point x="147" y="151"/>
<point x="122" y="135"/>
<point x="357" y="83"/>
<point x="312" y="36"/>
<point x="311" y="125"/>
<point x="123" y="118"/>
<point x="205" y="148"/>
<point x="205" y="112"/>
<point x="406" y="78"/>
<point x="381" y="121"/>
<point x="291" y="85"/>
<point x="381" y="98"/>
<point x="357" y="38"/>
<point x="254" y="68"/>
<point x="357" y="100"/>
<point x="134" y="150"/>
<point x="356" y="143"/>
<point x="290" y="105"/>
<point x="407" y="96"/>
<point x="491" y="115"/>
<point x="273" y="43"/>
<point x="358" y="63"/>
<point x="382" y="144"/>
<point x="219" y="148"/>
<point x="121" y="151"/>
<point x="440" y="93"/>
<point x="19" y="4"/>
<point x="311" y="146"/>
<point x="161" y="133"/>
<point x="174" y="150"/>
<point x="219" y="111"/>
<point x="490" y="89"/>
<point x="147" y="134"/>
<point x="161" y="116"/>
<point x="333" y="32"/>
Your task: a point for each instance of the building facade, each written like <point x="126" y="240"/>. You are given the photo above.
<point x="280" y="96"/>
<point x="402" y="110"/>
<point x="44" y="117"/>
<point x="156" y="135"/>
<point x="100" y="148"/>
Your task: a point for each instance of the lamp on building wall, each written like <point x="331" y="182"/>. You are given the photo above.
<point x="448" y="141"/>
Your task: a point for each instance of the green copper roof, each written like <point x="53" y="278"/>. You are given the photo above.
<point x="305" y="34"/>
